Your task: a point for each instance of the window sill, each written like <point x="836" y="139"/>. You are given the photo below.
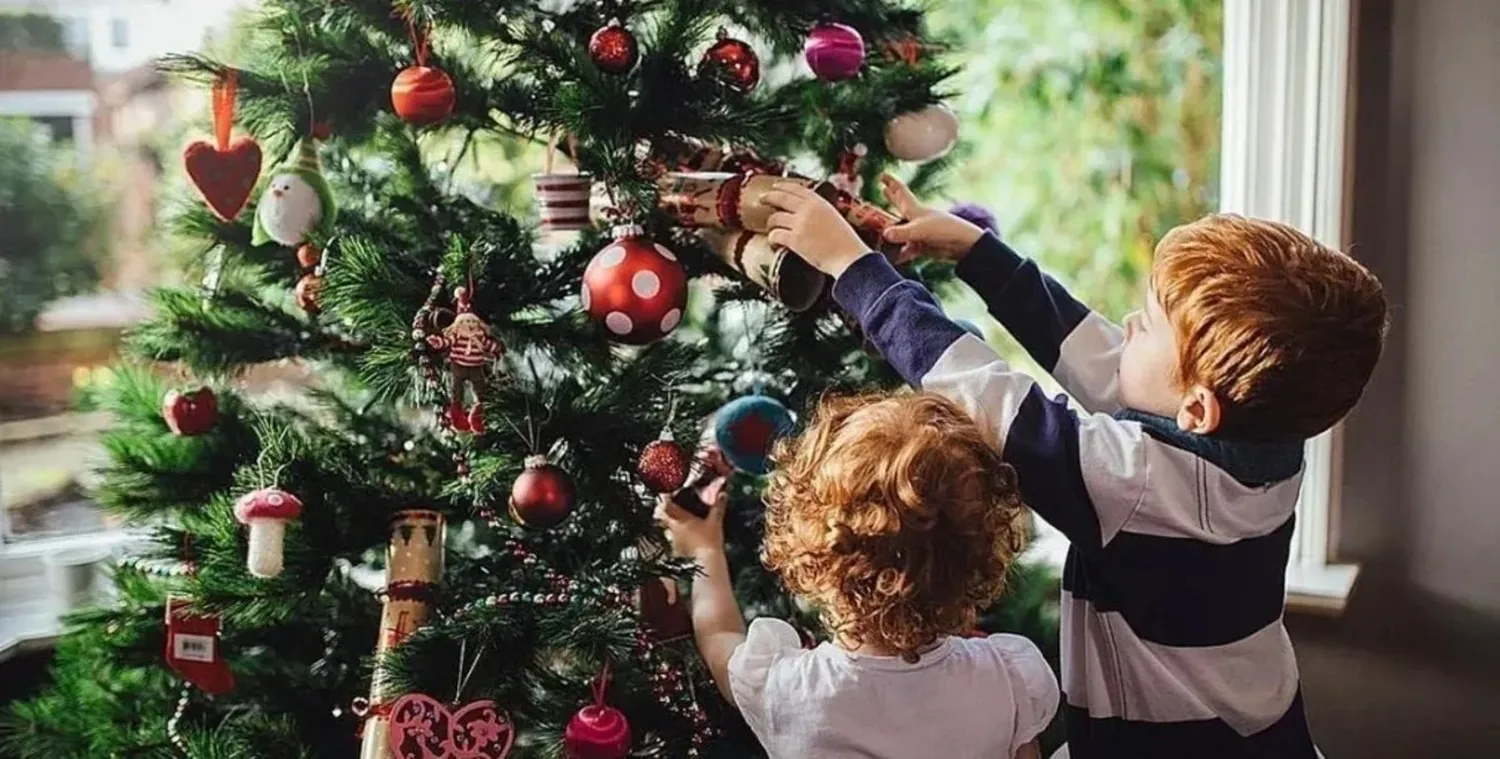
<point x="1321" y="590"/>
<point x="30" y="619"/>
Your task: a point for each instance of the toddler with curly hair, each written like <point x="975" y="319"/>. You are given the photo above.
<point x="896" y="518"/>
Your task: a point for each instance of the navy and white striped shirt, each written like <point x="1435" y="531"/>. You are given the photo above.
<point x="1174" y="585"/>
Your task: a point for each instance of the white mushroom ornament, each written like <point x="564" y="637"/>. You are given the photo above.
<point x="266" y="511"/>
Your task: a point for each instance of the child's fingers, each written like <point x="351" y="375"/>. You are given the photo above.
<point x="781" y="237"/>
<point x="781" y="219"/>
<point x="898" y="233"/>
<point x="783" y="200"/>
<point x="798" y="189"/>
<point x="900" y="195"/>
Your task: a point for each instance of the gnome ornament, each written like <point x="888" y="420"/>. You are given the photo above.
<point x="471" y="349"/>
<point x="296" y="201"/>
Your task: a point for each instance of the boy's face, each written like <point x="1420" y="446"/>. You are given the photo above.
<point x="1148" y="364"/>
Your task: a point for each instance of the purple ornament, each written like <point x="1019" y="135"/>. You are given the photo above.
<point x="977" y="215"/>
<point x="834" y="51"/>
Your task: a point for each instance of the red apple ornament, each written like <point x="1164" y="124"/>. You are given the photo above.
<point x="598" y="731"/>
<point x="266" y="511"/>
<point x="191" y="413"/>
<point x="635" y="288"/>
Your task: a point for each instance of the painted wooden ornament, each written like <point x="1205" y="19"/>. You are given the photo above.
<point x="423" y="728"/>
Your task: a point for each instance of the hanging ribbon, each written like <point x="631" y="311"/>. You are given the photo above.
<point x="226" y="87"/>
<point x="601" y="684"/>
<point x="419" y="34"/>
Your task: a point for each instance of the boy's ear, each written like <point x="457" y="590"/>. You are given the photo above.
<point x="1200" y="411"/>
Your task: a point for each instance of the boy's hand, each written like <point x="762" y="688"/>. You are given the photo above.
<point x="926" y="231"/>
<point x="812" y="227"/>
<point x="692" y="537"/>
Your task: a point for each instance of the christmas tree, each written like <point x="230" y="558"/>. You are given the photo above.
<point x="446" y="547"/>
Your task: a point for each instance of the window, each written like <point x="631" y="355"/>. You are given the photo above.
<point x="119" y="33"/>
<point x="1286" y="85"/>
<point x="59" y="128"/>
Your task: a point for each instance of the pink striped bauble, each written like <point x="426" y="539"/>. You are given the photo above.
<point x="563" y="200"/>
<point x="423" y="95"/>
<point x="834" y="51"/>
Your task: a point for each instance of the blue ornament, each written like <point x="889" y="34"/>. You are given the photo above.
<point x="746" y="428"/>
<point x="970" y="327"/>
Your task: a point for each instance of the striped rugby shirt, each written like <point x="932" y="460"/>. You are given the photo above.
<point x="1174" y="584"/>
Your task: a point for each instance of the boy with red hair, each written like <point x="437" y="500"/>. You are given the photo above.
<point x="1177" y="489"/>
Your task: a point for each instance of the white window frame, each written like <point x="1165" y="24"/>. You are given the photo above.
<point x="1286" y="137"/>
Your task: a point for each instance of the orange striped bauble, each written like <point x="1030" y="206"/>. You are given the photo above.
<point x="422" y="95"/>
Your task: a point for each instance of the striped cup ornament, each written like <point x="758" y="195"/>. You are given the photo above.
<point x="563" y="200"/>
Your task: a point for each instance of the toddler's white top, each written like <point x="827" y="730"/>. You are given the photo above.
<point x="979" y="698"/>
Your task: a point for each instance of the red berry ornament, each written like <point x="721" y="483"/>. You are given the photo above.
<point x="308" y="289"/>
<point x="190" y="413"/>
<point x="664" y="465"/>
<point x="635" y="288"/>
<point x="423" y="95"/>
<point x="613" y="48"/>
<point x="732" y="62"/>
<point x="542" y="496"/>
<point x="308" y="256"/>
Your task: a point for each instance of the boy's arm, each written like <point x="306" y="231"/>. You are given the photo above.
<point x="718" y="627"/>
<point x="1080" y="348"/>
<point x="1082" y="475"/>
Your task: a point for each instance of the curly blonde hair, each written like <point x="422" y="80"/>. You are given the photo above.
<point x="895" y="516"/>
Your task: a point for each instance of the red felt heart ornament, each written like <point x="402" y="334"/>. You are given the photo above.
<point x="423" y="728"/>
<point x="224" y="177"/>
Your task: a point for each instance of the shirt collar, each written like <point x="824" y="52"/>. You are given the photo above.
<point x="1250" y="463"/>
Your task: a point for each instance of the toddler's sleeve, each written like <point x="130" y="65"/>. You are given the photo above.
<point x="767" y="642"/>
<point x="1034" y="686"/>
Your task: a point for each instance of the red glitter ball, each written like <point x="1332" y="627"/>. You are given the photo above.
<point x="613" y="48"/>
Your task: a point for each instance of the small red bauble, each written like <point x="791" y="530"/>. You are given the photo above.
<point x="542" y="496"/>
<point x="597" y="731"/>
<point x="191" y="413"/>
<point x="834" y="51"/>
<point x="613" y="48"/>
<point x="663" y="465"/>
<point x="308" y="289"/>
<point x="732" y="62"/>
<point x="635" y="288"/>
<point x="423" y="95"/>
<point x="308" y="256"/>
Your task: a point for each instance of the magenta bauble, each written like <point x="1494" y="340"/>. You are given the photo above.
<point x="834" y="51"/>
<point x="597" y="731"/>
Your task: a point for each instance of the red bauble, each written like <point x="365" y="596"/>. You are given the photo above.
<point x="663" y="465"/>
<point x="613" y="48"/>
<point x="308" y="256"/>
<point x="423" y="95"/>
<point x="635" y="288"/>
<point x="597" y="731"/>
<point x="732" y="62"/>
<point x="191" y="413"/>
<point x="308" y="289"/>
<point x="542" y="496"/>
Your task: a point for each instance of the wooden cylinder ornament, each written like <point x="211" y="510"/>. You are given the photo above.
<point x="414" y="566"/>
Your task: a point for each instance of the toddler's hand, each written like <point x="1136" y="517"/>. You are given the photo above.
<point x="812" y="227"/>
<point x="926" y="231"/>
<point x="691" y="536"/>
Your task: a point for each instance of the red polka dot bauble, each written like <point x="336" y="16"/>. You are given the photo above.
<point x="613" y="48"/>
<point x="423" y="95"/>
<point x="597" y="731"/>
<point x="635" y="288"/>
<point x="834" y="51"/>
<point x="732" y="62"/>
<point x="543" y="496"/>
